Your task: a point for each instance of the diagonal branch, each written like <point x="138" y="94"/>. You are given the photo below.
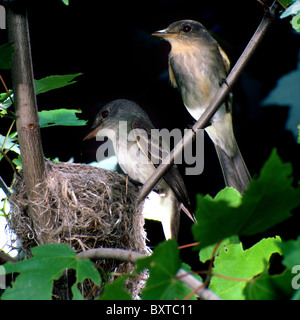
<point x="214" y="105"/>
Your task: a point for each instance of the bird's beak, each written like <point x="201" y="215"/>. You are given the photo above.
<point x="93" y="133"/>
<point x="161" y="33"/>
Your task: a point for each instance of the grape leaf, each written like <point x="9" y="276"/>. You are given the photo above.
<point x="54" y="82"/>
<point x="214" y="215"/>
<point x="270" y="287"/>
<point x="207" y="252"/>
<point x="115" y="290"/>
<point x="268" y="201"/>
<point x="291" y="252"/>
<point x="60" y="117"/>
<point x="163" y="266"/>
<point x="5" y="101"/>
<point x="35" y="280"/>
<point x="7" y="143"/>
<point x="243" y="265"/>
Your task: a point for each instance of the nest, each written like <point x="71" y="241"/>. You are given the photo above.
<point x="86" y="208"/>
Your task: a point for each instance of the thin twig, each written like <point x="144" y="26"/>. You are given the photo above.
<point x="4" y="187"/>
<point x="214" y="105"/>
<point x="208" y="273"/>
<point x="189" y="245"/>
<point x="6" y="90"/>
<point x="12" y="114"/>
<point x="7" y="158"/>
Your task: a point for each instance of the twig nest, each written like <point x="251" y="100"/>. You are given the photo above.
<point x="86" y="207"/>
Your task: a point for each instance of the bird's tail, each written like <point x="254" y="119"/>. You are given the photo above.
<point x="234" y="169"/>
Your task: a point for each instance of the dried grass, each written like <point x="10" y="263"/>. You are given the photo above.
<point x="86" y="208"/>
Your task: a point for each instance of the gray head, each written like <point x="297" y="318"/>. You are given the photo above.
<point x="186" y="31"/>
<point x="115" y="111"/>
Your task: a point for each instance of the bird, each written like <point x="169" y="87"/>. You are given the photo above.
<point x="198" y="67"/>
<point x="139" y="152"/>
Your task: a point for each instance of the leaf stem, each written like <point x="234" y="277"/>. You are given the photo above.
<point x="189" y="245"/>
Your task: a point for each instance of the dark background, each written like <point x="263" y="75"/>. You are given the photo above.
<point x="111" y="44"/>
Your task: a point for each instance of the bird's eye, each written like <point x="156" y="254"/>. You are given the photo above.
<point x="104" y="114"/>
<point x="186" y="28"/>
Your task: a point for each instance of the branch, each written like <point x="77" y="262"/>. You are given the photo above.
<point x="25" y="99"/>
<point x="214" y="105"/>
<point x="132" y="256"/>
<point x="111" y="253"/>
<point x="27" y="119"/>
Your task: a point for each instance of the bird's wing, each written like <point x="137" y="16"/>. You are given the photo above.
<point x="226" y="60"/>
<point x="151" y="145"/>
<point x="172" y="76"/>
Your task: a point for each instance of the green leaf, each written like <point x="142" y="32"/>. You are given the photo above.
<point x="214" y="215"/>
<point x="5" y="100"/>
<point x="270" y="287"/>
<point x="54" y="82"/>
<point x="18" y="162"/>
<point x="6" y="52"/>
<point x="231" y="196"/>
<point x="60" y="117"/>
<point x="7" y="143"/>
<point x="163" y="266"/>
<point x="66" y="2"/>
<point x="291" y="252"/>
<point x="84" y="270"/>
<point x="115" y="290"/>
<point x="243" y="265"/>
<point x="35" y="280"/>
<point x="268" y="201"/>
<point x="271" y="197"/>
<point x="207" y="252"/>
<point x="5" y="103"/>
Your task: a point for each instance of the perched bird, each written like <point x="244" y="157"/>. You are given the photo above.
<point x="139" y="152"/>
<point x="198" y="66"/>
